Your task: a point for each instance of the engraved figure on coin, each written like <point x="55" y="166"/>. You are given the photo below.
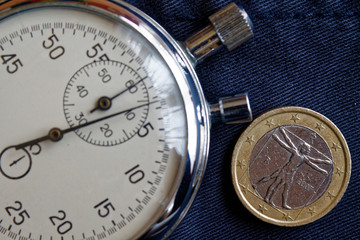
<point x="284" y="176"/>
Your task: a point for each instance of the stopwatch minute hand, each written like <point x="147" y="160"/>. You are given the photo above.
<point x="56" y="134"/>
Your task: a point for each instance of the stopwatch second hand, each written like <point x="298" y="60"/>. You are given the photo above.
<point x="104" y="103"/>
<point x="56" y="134"/>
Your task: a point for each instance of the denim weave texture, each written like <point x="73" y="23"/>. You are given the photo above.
<point x="304" y="53"/>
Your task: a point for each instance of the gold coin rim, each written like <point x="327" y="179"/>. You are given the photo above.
<point x="239" y="146"/>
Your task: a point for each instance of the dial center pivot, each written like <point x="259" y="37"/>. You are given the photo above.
<point x="104" y="103"/>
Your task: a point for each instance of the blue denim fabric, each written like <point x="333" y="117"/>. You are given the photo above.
<point x="305" y="53"/>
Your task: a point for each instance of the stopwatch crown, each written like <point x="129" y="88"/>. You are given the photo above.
<point x="230" y="27"/>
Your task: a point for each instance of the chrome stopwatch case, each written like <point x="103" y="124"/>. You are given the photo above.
<point x="104" y="126"/>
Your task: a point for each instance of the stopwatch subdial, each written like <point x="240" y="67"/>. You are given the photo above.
<point x="106" y="82"/>
<point x="15" y="164"/>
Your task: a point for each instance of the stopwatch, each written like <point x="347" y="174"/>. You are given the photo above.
<point x="104" y="126"/>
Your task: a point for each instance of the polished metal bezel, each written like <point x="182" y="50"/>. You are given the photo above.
<point x="197" y="114"/>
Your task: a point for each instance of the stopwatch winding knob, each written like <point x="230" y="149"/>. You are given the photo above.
<point x="232" y="26"/>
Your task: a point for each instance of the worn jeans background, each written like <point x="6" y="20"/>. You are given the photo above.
<point x="305" y="53"/>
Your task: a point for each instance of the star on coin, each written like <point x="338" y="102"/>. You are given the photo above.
<point x="319" y="126"/>
<point x="295" y="118"/>
<point x="286" y="217"/>
<point x="241" y="163"/>
<point x="250" y="140"/>
<point x="336" y="146"/>
<point x="270" y="123"/>
<point x="262" y="208"/>
<point x="311" y="211"/>
<point x="339" y="171"/>
<point x="330" y="195"/>
<point x="244" y="189"/>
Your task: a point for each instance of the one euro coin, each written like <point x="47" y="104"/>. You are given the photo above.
<point x="291" y="166"/>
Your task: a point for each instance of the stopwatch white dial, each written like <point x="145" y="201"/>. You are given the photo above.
<point x="113" y="178"/>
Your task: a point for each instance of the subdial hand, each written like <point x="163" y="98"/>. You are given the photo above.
<point x="16" y="161"/>
<point x="104" y="103"/>
<point x="56" y="134"/>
